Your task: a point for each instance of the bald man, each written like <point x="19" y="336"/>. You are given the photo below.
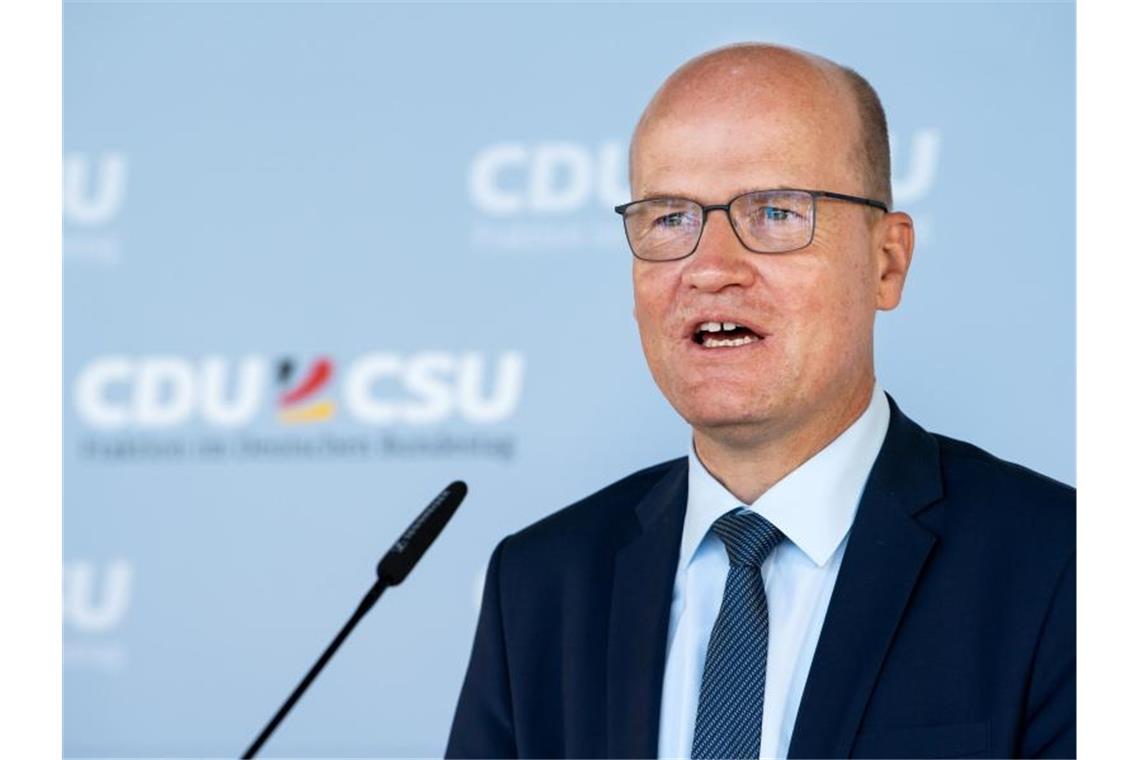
<point x="819" y="577"/>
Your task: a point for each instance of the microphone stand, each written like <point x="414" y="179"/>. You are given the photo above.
<point x="390" y="571"/>
<point x="361" y="610"/>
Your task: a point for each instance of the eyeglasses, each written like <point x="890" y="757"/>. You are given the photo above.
<point x="765" y="221"/>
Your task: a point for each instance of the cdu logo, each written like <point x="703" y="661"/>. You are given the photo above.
<point x="553" y="196"/>
<point x="301" y="401"/>
<point x="546" y="178"/>
<point x="163" y="391"/>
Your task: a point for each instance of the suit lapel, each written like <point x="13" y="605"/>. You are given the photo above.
<point x="885" y="553"/>
<point x="644" y="569"/>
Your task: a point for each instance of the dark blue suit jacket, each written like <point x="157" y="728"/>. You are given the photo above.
<point x="951" y="630"/>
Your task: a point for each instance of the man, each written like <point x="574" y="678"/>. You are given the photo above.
<point x="820" y="577"/>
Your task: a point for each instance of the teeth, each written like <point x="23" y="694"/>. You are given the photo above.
<point x="710" y="327"/>
<point x="726" y="342"/>
<point x="729" y="326"/>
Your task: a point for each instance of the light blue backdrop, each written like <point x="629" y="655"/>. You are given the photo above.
<point x="420" y="195"/>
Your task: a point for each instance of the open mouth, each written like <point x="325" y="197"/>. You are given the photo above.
<point x="724" y="335"/>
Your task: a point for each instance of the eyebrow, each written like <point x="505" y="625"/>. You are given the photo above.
<point x="652" y="195"/>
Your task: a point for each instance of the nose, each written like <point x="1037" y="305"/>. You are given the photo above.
<point x="720" y="260"/>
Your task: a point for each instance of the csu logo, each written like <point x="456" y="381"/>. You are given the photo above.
<point x="920" y="167"/>
<point x="96" y="595"/>
<point x="155" y="392"/>
<point x="93" y="188"/>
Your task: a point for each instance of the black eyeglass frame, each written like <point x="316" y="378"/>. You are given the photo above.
<point x="725" y="208"/>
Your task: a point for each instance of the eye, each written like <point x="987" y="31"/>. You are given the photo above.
<point x="673" y="220"/>
<point x="774" y="214"/>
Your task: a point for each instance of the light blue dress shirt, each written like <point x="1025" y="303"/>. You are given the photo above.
<point x="814" y="506"/>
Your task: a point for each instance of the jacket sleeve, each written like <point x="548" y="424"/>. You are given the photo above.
<point x="1050" y="728"/>
<point x="484" y="722"/>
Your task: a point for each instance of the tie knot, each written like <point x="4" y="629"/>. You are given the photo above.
<point x="748" y="537"/>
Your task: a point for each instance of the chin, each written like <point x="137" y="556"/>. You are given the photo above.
<point x="726" y="417"/>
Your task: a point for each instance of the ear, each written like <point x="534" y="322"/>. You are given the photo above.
<point x="894" y="246"/>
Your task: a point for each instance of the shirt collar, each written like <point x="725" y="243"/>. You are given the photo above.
<point x="813" y="505"/>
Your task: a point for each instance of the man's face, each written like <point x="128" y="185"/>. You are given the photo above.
<point x="813" y="309"/>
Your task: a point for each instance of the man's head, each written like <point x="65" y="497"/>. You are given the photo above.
<point x="759" y="117"/>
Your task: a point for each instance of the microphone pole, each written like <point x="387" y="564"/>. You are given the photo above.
<point x="390" y="571"/>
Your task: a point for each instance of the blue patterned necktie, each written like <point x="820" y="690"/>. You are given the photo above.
<point x="731" y="707"/>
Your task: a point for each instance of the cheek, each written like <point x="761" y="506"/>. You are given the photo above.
<point x="652" y="296"/>
<point x="647" y="313"/>
<point x="828" y="305"/>
<point x="642" y="313"/>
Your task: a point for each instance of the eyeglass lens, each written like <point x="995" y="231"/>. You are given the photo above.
<point x="768" y="221"/>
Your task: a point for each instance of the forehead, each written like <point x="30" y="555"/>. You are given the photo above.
<point x="740" y="136"/>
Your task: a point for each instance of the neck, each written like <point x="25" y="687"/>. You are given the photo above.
<point x="749" y="466"/>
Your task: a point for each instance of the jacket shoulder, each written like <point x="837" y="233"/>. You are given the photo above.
<point x="1007" y="497"/>
<point x="592" y="521"/>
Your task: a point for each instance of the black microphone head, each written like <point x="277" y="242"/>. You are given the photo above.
<point x="408" y="549"/>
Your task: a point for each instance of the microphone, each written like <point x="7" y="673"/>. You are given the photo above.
<point x="390" y="571"/>
<point x="408" y="549"/>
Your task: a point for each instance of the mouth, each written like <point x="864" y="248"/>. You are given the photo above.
<point x="715" y="334"/>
